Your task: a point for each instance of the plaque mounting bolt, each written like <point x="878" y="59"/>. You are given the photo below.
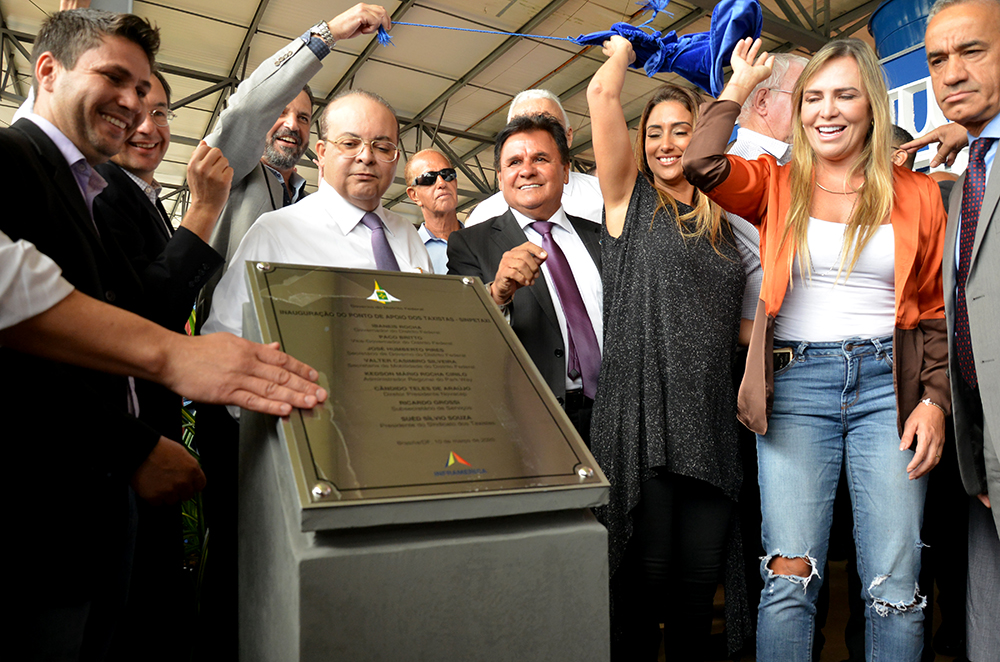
<point x="466" y="280"/>
<point x="264" y="266"/>
<point x="584" y="471"/>
<point x="322" y="489"/>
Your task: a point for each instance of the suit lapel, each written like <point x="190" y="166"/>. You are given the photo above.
<point x="507" y="234"/>
<point x="62" y="176"/>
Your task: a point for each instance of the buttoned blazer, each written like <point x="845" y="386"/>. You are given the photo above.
<point x="477" y="251"/>
<point x="172" y="265"/>
<point x="70" y="447"/>
<point x="983" y="299"/>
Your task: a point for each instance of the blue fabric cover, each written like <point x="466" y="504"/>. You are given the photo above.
<point x="698" y="57"/>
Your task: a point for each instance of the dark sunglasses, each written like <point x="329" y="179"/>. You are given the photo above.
<point x="429" y="178"/>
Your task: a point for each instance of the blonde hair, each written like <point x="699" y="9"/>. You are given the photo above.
<point x="874" y="201"/>
<point x="706" y="217"/>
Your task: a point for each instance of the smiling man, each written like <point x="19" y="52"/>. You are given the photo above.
<point x="91" y="77"/>
<point x="432" y="184"/>
<point x="963" y="55"/>
<point x="344" y="223"/>
<point x="542" y="265"/>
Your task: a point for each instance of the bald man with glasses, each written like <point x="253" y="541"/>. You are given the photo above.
<point x="344" y="223"/>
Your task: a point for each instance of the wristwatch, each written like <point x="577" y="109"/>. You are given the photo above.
<point x="322" y="30"/>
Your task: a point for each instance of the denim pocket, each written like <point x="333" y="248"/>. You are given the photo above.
<point x="788" y="366"/>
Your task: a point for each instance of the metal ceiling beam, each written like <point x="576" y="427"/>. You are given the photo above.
<point x="507" y="44"/>
<point x="778" y="27"/>
<point x="365" y="54"/>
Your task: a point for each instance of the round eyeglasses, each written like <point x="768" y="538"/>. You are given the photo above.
<point x="162" y="117"/>
<point x="349" y="148"/>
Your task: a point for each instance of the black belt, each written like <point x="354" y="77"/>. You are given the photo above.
<point x="575" y="400"/>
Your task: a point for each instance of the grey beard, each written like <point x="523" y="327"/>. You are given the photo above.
<point x="280" y="160"/>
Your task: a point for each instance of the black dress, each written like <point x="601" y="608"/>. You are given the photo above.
<point x="665" y="400"/>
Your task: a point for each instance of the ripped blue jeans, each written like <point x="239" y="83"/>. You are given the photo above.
<point x="835" y="403"/>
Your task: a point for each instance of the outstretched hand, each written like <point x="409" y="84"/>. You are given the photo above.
<point x="953" y="138"/>
<point x="221" y="368"/>
<point x="618" y="44"/>
<point x="750" y="67"/>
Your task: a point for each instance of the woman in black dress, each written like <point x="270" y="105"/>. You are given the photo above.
<point x="664" y="425"/>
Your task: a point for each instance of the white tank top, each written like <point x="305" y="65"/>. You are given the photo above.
<point x="825" y="309"/>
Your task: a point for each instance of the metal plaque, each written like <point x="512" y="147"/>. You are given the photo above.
<point x="431" y="394"/>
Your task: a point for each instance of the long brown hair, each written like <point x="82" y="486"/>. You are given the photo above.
<point x="874" y="202"/>
<point x="705" y="220"/>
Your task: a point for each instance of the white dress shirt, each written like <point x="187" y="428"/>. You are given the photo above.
<point x="749" y="145"/>
<point x="588" y="278"/>
<point x="30" y="282"/>
<point x="581" y="198"/>
<point x="323" y="230"/>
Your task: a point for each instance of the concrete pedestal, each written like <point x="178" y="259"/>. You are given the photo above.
<point x="517" y="587"/>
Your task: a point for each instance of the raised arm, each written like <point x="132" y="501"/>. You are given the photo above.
<point x="616" y="168"/>
<point x="242" y="128"/>
<point x="705" y="162"/>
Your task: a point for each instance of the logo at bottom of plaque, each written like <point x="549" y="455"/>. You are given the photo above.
<point x="453" y="459"/>
<point x="381" y="295"/>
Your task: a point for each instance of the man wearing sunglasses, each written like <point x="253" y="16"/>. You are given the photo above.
<point x="432" y="184"/>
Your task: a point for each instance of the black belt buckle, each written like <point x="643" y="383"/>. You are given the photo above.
<point x="782" y="357"/>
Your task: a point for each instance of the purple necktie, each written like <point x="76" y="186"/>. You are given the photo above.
<point x="384" y="259"/>
<point x="583" y="356"/>
<point x="972" y="202"/>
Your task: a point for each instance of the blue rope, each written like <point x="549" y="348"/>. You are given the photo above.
<point x="385" y="39"/>
<point x="655" y="6"/>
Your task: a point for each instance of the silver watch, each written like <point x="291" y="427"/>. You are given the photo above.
<point x="322" y="30"/>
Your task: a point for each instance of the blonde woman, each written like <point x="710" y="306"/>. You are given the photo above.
<point x="848" y="355"/>
<point x="664" y="423"/>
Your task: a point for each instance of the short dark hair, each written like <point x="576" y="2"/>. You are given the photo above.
<point x="309" y="93"/>
<point x="69" y="34"/>
<point x="535" y="122"/>
<point x="163" y="81"/>
<point x="322" y="125"/>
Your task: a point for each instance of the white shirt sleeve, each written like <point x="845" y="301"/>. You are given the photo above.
<point x="30" y="282"/>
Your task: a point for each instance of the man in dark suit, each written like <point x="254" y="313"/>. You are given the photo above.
<point x="77" y="454"/>
<point x="541" y="265"/>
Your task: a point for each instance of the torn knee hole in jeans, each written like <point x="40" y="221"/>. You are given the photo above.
<point x="884" y="607"/>
<point x="794" y="578"/>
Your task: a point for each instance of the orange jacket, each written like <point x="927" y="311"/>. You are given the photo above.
<point x="759" y="192"/>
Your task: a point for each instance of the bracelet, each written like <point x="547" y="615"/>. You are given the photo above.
<point x="931" y="403"/>
<point x="322" y="30"/>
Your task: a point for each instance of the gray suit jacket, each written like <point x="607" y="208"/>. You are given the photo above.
<point x="241" y="134"/>
<point x="978" y="448"/>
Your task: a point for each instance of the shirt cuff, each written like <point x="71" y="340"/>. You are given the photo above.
<point x="315" y="44"/>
